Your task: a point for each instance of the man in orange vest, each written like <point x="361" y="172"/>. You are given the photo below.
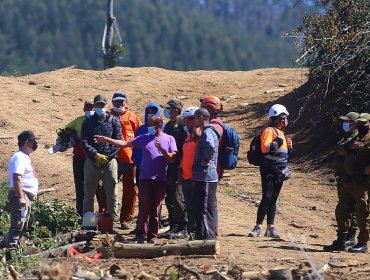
<point x="130" y="122"/>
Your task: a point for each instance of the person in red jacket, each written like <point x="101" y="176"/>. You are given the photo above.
<point x="130" y="122"/>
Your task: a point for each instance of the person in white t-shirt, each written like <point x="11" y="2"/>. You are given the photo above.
<point x="23" y="187"/>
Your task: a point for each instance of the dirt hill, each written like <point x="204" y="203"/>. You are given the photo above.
<point x="47" y="101"/>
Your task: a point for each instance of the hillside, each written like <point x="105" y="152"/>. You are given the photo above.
<point x="46" y="101"/>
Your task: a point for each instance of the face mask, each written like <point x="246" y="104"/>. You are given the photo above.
<point x="34" y="146"/>
<point x="166" y="113"/>
<point x="88" y="114"/>
<point x="152" y="130"/>
<point x="363" y="129"/>
<point x="286" y="122"/>
<point x="149" y="116"/>
<point x="346" y="127"/>
<point x="119" y="110"/>
<point x="100" y="111"/>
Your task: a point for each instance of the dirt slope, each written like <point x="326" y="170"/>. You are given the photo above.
<point x="46" y="101"/>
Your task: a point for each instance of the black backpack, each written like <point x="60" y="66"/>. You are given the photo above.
<point x="254" y="155"/>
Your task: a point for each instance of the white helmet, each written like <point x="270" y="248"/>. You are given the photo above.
<point x="189" y="112"/>
<point x="277" y="110"/>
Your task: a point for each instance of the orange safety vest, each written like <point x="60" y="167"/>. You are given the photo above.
<point x="130" y="122"/>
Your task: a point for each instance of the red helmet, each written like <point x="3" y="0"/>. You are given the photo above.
<point x="211" y="101"/>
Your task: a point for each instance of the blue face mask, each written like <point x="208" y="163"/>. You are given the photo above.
<point x="346" y="127"/>
<point x="100" y="111"/>
<point x="88" y="114"/>
<point x="166" y="113"/>
<point x="152" y="130"/>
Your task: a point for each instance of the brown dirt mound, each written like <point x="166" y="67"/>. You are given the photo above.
<point x="46" y="101"/>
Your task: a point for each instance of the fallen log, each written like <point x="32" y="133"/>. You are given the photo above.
<point x="149" y="251"/>
<point x="281" y="274"/>
<point x="42" y="191"/>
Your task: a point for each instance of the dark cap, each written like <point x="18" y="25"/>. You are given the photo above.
<point x="364" y="117"/>
<point x="88" y="102"/>
<point x="100" y="99"/>
<point x="174" y="103"/>
<point x="119" y="95"/>
<point x="351" y="116"/>
<point x="26" y="135"/>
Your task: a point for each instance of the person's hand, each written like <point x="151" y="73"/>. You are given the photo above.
<point x="99" y="139"/>
<point x="204" y="164"/>
<point x="102" y="159"/>
<point x="289" y="143"/>
<point x="22" y="202"/>
<point x="367" y="170"/>
<point x="356" y="145"/>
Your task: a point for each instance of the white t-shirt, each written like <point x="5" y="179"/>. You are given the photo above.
<point x="20" y="163"/>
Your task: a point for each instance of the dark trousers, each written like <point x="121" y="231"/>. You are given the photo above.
<point x="205" y="208"/>
<point x="271" y="186"/>
<point x="353" y="195"/>
<point x="188" y="190"/>
<point x="151" y="194"/>
<point x="78" y="173"/>
<point x="175" y="199"/>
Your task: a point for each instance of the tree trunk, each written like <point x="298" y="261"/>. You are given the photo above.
<point x="198" y="247"/>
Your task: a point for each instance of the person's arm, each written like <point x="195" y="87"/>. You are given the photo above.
<point x="169" y="156"/>
<point x="90" y="150"/>
<point x="115" y="142"/>
<point x="209" y="149"/>
<point x="17" y="181"/>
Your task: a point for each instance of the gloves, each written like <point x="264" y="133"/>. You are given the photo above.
<point x="101" y="159"/>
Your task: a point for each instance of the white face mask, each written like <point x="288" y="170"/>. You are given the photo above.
<point x="166" y="113"/>
<point x="149" y="116"/>
<point x="100" y="111"/>
<point x="88" y="114"/>
<point x="286" y="122"/>
<point x="119" y="110"/>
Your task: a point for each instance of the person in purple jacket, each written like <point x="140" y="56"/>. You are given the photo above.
<point x="158" y="149"/>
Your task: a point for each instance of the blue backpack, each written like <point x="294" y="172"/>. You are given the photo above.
<point x="228" y="155"/>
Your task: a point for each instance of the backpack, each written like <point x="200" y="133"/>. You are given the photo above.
<point x="228" y="154"/>
<point x="254" y="155"/>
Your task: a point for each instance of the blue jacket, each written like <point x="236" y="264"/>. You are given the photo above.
<point x="137" y="154"/>
<point x="207" y="150"/>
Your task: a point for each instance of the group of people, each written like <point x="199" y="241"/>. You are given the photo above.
<point x="177" y="162"/>
<point x="352" y="173"/>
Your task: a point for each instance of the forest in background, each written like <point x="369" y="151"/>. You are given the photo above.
<point x="42" y="35"/>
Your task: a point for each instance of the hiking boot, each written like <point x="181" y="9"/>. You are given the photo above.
<point x="337" y="245"/>
<point x="358" y="248"/>
<point x="151" y="240"/>
<point x="350" y="240"/>
<point x="126" y="226"/>
<point x="255" y="232"/>
<point x="182" y="234"/>
<point x="168" y="233"/>
<point x="139" y="240"/>
<point x="271" y="232"/>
